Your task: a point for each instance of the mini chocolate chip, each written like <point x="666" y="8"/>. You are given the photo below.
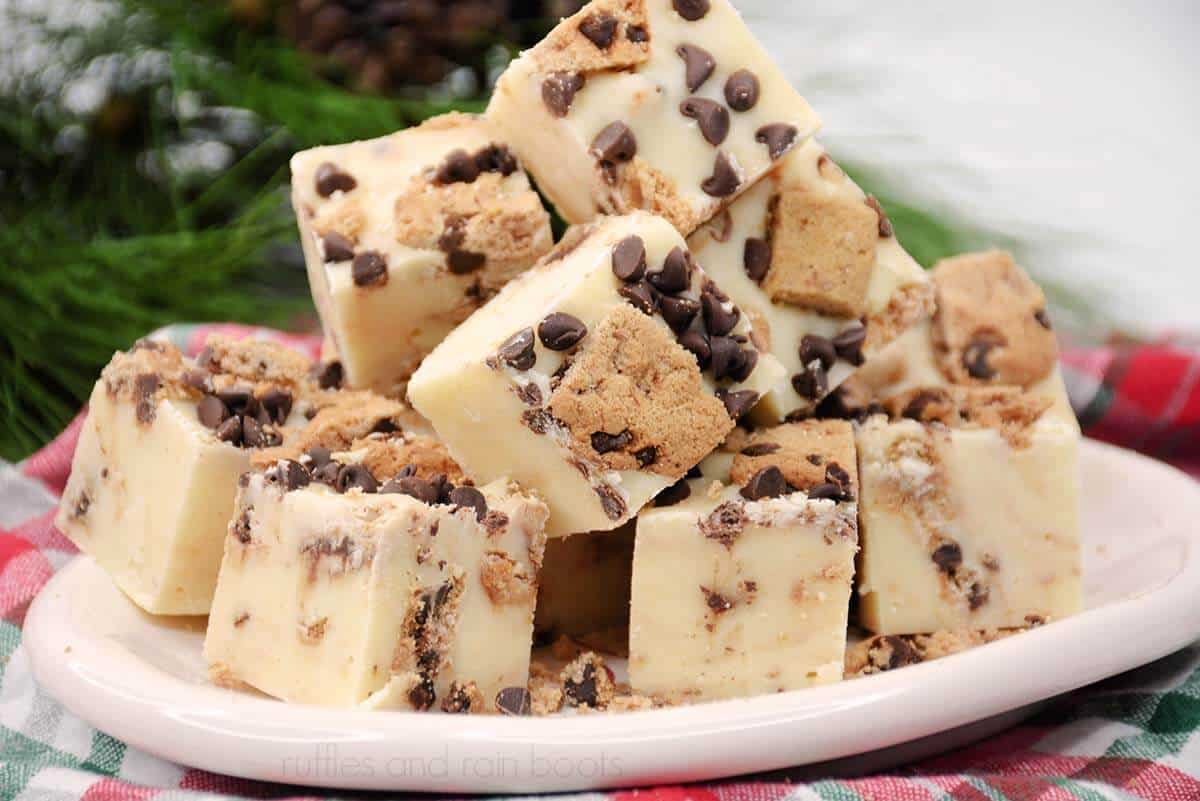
<point x="337" y="247"/>
<point x="742" y="370"/>
<point x="760" y="449"/>
<point x="903" y="653"/>
<point x="697" y="343"/>
<point x="679" y="491"/>
<point x="327" y="473"/>
<point x="514" y="701"/>
<point x="496" y="158"/>
<point x="641" y="295"/>
<point x="646" y="456"/>
<point x="676" y="273"/>
<point x="1043" y="319"/>
<point x="330" y="179"/>
<point x="385" y="426"/>
<point x="463" y="262"/>
<point x="198" y="380"/>
<point x="355" y="475"/>
<point x="423" y="694"/>
<point x="814" y="347"/>
<point x="239" y="400"/>
<point x="230" y="431"/>
<point x="837" y="474"/>
<point x="294" y="475"/>
<point x="413" y="487"/>
<point x="471" y="498"/>
<point x="815" y="458"/>
<point x="603" y="442"/>
<point x="241" y="528"/>
<point x="530" y="394"/>
<point x="849" y="344"/>
<point x="977" y="595"/>
<point x="629" y="259"/>
<point x="611" y="502"/>
<point x="678" y="312"/>
<point x="691" y="10"/>
<point x="331" y="375"/>
<point x="766" y="483"/>
<point x="724" y="180"/>
<point x="727" y="356"/>
<point x="277" y="403"/>
<point x="778" y="137"/>
<point x="144" y="387"/>
<point x="810" y="382"/>
<point x="559" y="90"/>
<point x="825" y="491"/>
<point x="614" y="144"/>
<point x="369" y="268"/>
<point x="756" y="256"/>
<point x="715" y="601"/>
<point x="710" y="116"/>
<point x="947" y="556"/>
<point x="636" y="34"/>
<point x="443" y="487"/>
<point x="738" y="403"/>
<point x="698" y="64"/>
<point x="975" y="359"/>
<point x="718" y="320"/>
<point x="561" y="331"/>
<point x="885" y="225"/>
<point x="458" y="167"/>
<point x="517" y="351"/>
<point x="915" y="408"/>
<point x="599" y="29"/>
<point x="254" y="435"/>
<point x="741" y="90"/>
<point x="211" y="411"/>
<point x="694" y="472"/>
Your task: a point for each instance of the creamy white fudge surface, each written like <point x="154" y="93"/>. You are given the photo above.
<point x="816" y="265"/>
<point x="597" y="378"/>
<point x="154" y="476"/>
<point x="379" y="577"/>
<point x="583" y="588"/>
<point x="744" y="589"/>
<point x="404" y="236"/>
<point x="968" y="455"/>
<point x="670" y="106"/>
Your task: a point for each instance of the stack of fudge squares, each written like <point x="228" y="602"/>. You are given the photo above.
<point x="722" y="404"/>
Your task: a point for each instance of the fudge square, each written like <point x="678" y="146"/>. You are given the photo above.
<point x="743" y="587"/>
<point x="814" y="262"/>
<point x="969" y="513"/>
<point x="154" y="476"/>
<point x="670" y="106"/>
<point x="406" y="235"/>
<point x="377" y="576"/>
<point x="969" y="507"/>
<point x="597" y="378"/>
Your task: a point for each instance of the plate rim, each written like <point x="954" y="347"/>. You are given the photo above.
<point x="211" y="724"/>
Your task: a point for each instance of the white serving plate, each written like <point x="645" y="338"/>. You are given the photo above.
<point x="142" y="679"/>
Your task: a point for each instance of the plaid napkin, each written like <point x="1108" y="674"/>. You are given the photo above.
<point x="1131" y="737"/>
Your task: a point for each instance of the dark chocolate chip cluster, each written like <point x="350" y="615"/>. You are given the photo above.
<point x="240" y="417"/>
<point x="818" y="354"/>
<point x="461" y="167"/>
<point x="769" y="482"/>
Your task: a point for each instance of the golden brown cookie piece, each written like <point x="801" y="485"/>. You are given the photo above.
<point x="255" y="360"/>
<point x="608" y="34"/>
<point x="810" y="454"/>
<point x="991" y="325"/>
<point x="341" y="418"/>
<point x="822" y="251"/>
<point x="1007" y="410"/>
<point x="634" y="399"/>
<point x="639" y="186"/>
<point x="146" y="372"/>
<point x="587" y="682"/>
<point x="468" y="220"/>
<point x="423" y="457"/>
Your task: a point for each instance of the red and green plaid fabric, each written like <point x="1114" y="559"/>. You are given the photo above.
<point x="1132" y="737"/>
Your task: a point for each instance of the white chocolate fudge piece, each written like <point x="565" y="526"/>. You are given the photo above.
<point x="816" y="265"/>
<point x="154" y="475"/>
<point x="744" y="589"/>
<point x="406" y="235"/>
<point x="583" y="588"/>
<point x="367" y="577"/>
<point x="670" y="106"/>
<point x="597" y="378"/>
<point x="969" y="521"/>
<point x="968" y="458"/>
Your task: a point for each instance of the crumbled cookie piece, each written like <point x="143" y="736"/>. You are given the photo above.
<point x="882" y="652"/>
<point x="632" y="390"/>
<point x="341" y="418"/>
<point x="608" y="34"/>
<point x="587" y="682"/>
<point x="822" y="252"/>
<point x="1006" y="410"/>
<point x="255" y="361"/>
<point x="991" y="325"/>
<point x="504" y="580"/>
<point x="811" y="455"/>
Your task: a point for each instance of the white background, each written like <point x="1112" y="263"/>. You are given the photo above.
<point x="1072" y="126"/>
